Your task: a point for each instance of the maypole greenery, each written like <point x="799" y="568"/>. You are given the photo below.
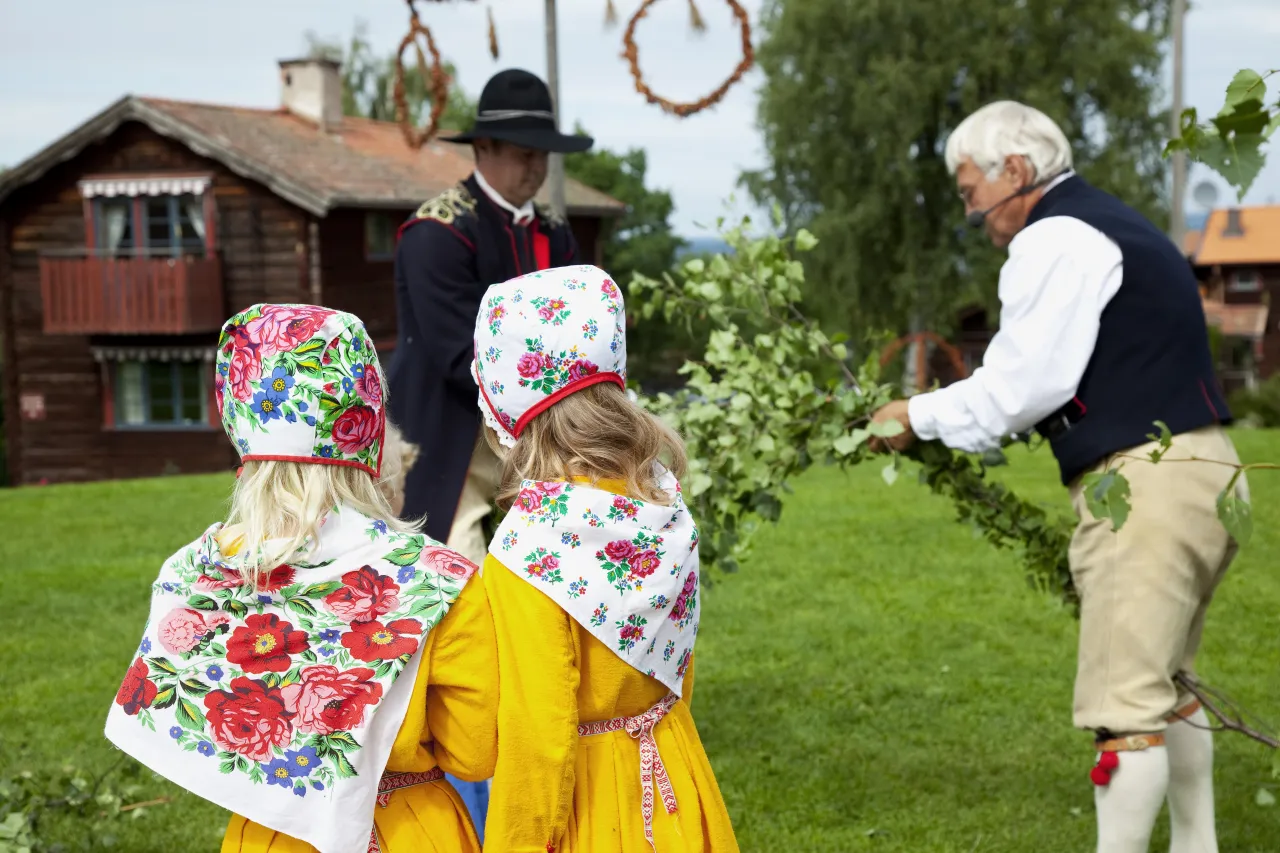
<point x="774" y="394"/>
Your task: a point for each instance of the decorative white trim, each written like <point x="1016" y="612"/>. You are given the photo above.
<point x="105" y="354"/>
<point x="133" y="187"/>
<point x="505" y="438"/>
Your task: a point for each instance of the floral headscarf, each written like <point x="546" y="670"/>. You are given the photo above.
<point x="282" y="702"/>
<point x="542" y="336"/>
<point x="300" y="383"/>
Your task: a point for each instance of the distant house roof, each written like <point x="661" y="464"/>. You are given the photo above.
<point x="1243" y="235"/>
<point x="1237" y="321"/>
<point x="1191" y="243"/>
<point x="359" y="163"/>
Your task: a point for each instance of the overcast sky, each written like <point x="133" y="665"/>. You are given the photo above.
<point x="61" y="62"/>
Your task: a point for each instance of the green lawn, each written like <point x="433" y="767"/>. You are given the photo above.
<point x="875" y="678"/>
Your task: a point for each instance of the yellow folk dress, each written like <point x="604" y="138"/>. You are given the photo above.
<point x="450" y="724"/>
<point x="555" y="791"/>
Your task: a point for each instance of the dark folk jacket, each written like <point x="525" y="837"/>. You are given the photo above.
<point x="447" y="255"/>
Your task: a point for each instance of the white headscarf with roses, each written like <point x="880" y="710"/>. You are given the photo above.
<point x="542" y="336"/>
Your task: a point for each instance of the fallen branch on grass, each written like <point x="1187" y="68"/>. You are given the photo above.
<point x="158" y="801"/>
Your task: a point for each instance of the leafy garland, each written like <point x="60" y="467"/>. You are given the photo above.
<point x="773" y="394"/>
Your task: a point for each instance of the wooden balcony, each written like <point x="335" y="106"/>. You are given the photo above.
<point x="89" y="293"/>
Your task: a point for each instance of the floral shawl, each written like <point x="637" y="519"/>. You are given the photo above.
<point x="282" y="705"/>
<point x="624" y="569"/>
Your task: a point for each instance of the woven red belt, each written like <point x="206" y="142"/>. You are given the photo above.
<point x="652" y="770"/>
<point x="392" y="782"/>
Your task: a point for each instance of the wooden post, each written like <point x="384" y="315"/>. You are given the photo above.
<point x="555" y="172"/>
<point x="1177" y="215"/>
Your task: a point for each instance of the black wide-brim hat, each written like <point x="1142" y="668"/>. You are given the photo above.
<point x="515" y="107"/>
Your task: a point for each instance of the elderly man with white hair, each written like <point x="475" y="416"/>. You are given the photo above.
<point x="1101" y="334"/>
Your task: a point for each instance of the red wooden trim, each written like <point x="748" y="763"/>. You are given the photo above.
<point x="97" y="295"/>
<point x="108" y="396"/>
<point x="210" y="210"/>
<point x="139" y="224"/>
<point x="547" y="402"/>
<point x="90" y="236"/>
<point x="213" y="416"/>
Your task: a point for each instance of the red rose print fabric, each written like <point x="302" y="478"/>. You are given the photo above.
<point x="279" y="702"/>
<point x="302" y="383"/>
<point x="624" y="569"/>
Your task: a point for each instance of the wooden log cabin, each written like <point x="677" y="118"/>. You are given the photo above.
<point x="126" y="243"/>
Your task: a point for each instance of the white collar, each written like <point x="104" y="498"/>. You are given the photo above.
<point x="1069" y="173"/>
<point x="522" y="215"/>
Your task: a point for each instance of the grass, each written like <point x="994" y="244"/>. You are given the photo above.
<point x="875" y="678"/>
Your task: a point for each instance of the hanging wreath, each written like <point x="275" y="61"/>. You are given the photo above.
<point x="632" y="54"/>
<point x="434" y="76"/>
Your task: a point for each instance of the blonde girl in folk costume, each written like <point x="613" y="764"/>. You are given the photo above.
<point x="593" y="578"/>
<point x="314" y="665"/>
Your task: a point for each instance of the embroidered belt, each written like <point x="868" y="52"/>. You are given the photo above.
<point x="392" y="782"/>
<point x="652" y="770"/>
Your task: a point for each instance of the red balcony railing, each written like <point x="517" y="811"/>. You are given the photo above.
<point x="88" y="293"/>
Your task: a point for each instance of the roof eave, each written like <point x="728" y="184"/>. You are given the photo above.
<point x="131" y="108"/>
<point x="65" y="147"/>
<point x="206" y="146"/>
<point x="604" y="211"/>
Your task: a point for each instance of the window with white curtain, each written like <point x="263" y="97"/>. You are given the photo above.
<point x="170" y="224"/>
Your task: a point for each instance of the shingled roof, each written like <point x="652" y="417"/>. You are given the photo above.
<point x="1254" y="240"/>
<point x="358" y="163"/>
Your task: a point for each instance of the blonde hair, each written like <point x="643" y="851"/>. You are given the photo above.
<point x="398" y="457"/>
<point x="277" y="507"/>
<point x="596" y="433"/>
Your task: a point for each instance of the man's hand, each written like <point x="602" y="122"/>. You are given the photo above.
<point x="895" y="411"/>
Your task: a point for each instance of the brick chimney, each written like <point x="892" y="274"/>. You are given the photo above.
<point x="312" y="89"/>
<point x="1234" y="226"/>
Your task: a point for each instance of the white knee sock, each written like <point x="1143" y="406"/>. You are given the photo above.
<point x="1128" y="806"/>
<point x="1191" y="785"/>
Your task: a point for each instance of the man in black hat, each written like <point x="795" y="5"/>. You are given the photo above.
<point x="483" y="231"/>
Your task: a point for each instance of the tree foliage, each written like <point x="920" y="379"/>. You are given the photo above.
<point x="640" y="242"/>
<point x="858" y="102"/>
<point x="368" y="81"/>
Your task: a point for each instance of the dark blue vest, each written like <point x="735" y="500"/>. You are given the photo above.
<point x="1151" y="361"/>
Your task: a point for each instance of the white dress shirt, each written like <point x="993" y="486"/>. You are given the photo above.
<point x="1060" y="275"/>
<point x="522" y="215"/>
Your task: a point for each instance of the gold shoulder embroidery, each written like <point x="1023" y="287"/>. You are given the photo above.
<point x="548" y="215"/>
<point x="448" y="206"/>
